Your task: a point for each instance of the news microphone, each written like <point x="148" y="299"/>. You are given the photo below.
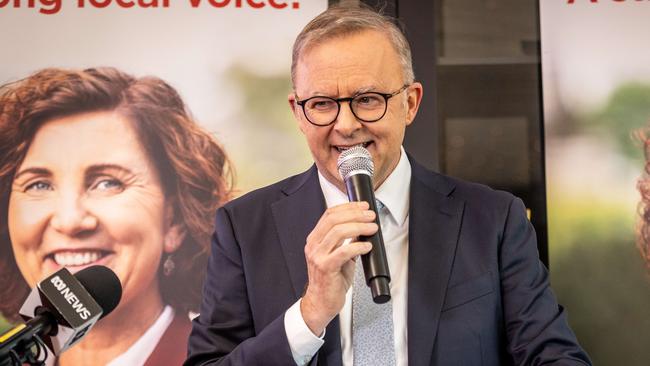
<point x="60" y="311"/>
<point x="356" y="168"/>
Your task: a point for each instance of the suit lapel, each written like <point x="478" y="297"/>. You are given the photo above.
<point x="434" y="224"/>
<point x="295" y="217"/>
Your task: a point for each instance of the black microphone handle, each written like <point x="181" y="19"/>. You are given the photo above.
<point x="375" y="263"/>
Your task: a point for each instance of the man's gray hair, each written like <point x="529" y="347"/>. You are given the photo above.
<point x="343" y="20"/>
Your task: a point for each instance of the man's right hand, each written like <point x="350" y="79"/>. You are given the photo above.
<point x="330" y="265"/>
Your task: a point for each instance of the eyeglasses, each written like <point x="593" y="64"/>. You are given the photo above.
<point x="366" y="107"/>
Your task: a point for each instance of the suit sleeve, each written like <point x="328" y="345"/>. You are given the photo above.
<point x="224" y="332"/>
<point x="536" y="325"/>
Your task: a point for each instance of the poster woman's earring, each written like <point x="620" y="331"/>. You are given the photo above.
<point x="168" y="266"/>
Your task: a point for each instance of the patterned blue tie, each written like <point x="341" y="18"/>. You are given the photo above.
<point x="372" y="324"/>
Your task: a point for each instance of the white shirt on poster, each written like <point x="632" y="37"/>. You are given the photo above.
<point x="139" y="351"/>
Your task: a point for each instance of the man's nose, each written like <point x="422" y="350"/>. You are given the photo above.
<point x="71" y="216"/>
<point x="346" y="122"/>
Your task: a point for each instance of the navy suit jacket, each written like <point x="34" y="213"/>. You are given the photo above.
<point x="477" y="292"/>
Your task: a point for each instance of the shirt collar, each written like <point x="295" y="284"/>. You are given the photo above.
<point x="393" y="193"/>
<point x="140" y="351"/>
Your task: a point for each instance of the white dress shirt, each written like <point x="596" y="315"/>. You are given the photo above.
<point x="394" y="194"/>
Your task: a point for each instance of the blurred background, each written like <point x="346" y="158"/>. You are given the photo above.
<point x="596" y="84"/>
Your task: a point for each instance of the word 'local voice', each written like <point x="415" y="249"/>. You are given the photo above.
<point x="54" y="6"/>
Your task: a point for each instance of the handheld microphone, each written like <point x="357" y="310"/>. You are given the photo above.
<point x="60" y="311"/>
<point x="356" y="168"/>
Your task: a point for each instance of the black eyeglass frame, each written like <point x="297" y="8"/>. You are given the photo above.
<point x="338" y="101"/>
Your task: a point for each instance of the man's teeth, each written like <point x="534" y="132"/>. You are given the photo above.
<point x="343" y="148"/>
<point x="77" y="258"/>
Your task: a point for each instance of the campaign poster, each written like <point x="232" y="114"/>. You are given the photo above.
<point x="227" y="62"/>
<point x="596" y="89"/>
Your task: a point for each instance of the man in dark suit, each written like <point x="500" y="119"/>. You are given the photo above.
<point x="467" y="285"/>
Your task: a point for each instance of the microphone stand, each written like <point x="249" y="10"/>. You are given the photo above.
<point x="24" y="344"/>
<point x="26" y="352"/>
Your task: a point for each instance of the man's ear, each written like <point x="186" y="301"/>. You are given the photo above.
<point x="413" y="99"/>
<point x="296" y="110"/>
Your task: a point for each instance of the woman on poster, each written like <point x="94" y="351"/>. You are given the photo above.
<point x="100" y="167"/>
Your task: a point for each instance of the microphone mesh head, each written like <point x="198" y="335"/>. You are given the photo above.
<point x="103" y="285"/>
<point x="355" y="159"/>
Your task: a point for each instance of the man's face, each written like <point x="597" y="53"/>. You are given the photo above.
<point x="344" y="67"/>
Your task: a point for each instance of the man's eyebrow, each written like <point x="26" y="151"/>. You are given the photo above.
<point x="33" y="170"/>
<point x="371" y="88"/>
<point x="365" y="89"/>
<point x="318" y="93"/>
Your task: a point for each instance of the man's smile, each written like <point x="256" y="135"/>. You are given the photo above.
<point x="342" y="148"/>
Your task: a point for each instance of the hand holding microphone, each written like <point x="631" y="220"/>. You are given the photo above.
<point x="330" y="265"/>
<point x="60" y="311"/>
<point x="356" y="168"/>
